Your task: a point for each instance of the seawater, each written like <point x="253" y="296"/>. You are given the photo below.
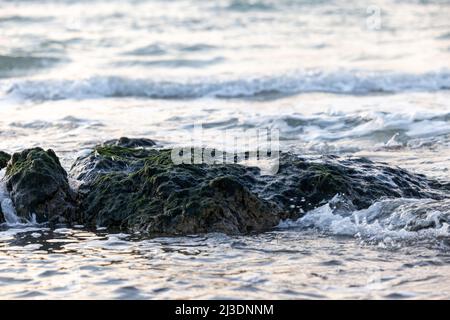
<point x="75" y="73"/>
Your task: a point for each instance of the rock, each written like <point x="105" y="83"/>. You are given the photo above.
<point x="142" y="190"/>
<point x="4" y="158"/>
<point x="38" y="185"/>
<point x="305" y="184"/>
<point x="130" y="142"/>
<point x="127" y="185"/>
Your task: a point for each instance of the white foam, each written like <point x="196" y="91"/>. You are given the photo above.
<point x="9" y="212"/>
<point x="385" y="221"/>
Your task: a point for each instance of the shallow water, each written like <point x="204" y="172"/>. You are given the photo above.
<point x="71" y="263"/>
<point x="74" y="73"/>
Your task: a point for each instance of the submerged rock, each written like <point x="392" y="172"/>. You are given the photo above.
<point x="142" y="190"/>
<point x="38" y="185"/>
<point x="4" y="158"/>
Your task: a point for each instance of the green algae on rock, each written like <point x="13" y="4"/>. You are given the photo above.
<point x="130" y="186"/>
<point x="38" y="186"/>
<point x="305" y="184"/>
<point x="143" y="190"/>
<point x="4" y="158"/>
<point x="130" y="142"/>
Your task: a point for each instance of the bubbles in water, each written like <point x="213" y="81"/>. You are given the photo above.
<point x="386" y="221"/>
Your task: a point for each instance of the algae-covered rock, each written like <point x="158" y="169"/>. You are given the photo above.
<point x="4" y="158"/>
<point x="38" y="185"/>
<point x="125" y="183"/>
<point x="305" y="184"/>
<point x="143" y="190"/>
<point x="130" y="142"/>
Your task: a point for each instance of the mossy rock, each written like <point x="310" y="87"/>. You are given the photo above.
<point x="303" y="184"/>
<point x="130" y="142"/>
<point x="142" y="190"/>
<point x="38" y="186"/>
<point x="125" y="184"/>
<point x="4" y="158"/>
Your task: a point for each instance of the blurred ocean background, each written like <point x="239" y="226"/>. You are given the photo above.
<point x="359" y="78"/>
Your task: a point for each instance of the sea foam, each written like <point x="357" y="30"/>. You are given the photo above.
<point x="388" y="220"/>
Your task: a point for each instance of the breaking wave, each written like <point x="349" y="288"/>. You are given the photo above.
<point x="388" y="221"/>
<point x="339" y="82"/>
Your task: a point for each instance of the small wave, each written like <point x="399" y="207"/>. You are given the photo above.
<point x="158" y="49"/>
<point x="386" y="221"/>
<point x="24" y="19"/>
<point x="389" y="129"/>
<point x="66" y="124"/>
<point x="244" y="6"/>
<point x="150" y="50"/>
<point x="171" y="63"/>
<point x="444" y="36"/>
<point x="196" y="47"/>
<point x="18" y="65"/>
<point x="341" y="82"/>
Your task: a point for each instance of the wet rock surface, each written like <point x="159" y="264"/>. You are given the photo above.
<point x="305" y="184"/>
<point x="130" y="142"/>
<point x="127" y="184"/>
<point x="39" y="187"/>
<point x="4" y="158"/>
<point x="144" y="191"/>
<point x="141" y="189"/>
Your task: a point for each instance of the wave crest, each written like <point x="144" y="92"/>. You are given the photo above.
<point x="340" y="82"/>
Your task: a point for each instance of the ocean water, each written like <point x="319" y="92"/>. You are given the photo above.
<point x="360" y="78"/>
